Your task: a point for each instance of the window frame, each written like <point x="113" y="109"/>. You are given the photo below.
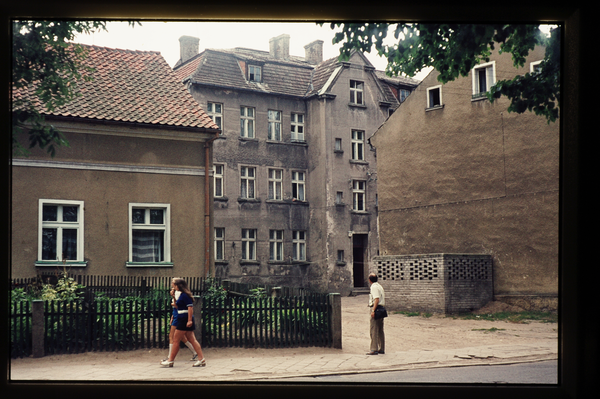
<point x="249" y="244"/>
<point x="276" y="253"/>
<point x="219" y="242"/>
<point x="358" y="145"/>
<point x="274" y="125"/>
<point x="429" y="91"/>
<point x="489" y="69"/>
<point x="214" y="115"/>
<point x="299" y="245"/>
<point x="248" y="179"/>
<point x="247" y="123"/>
<point x="534" y="65"/>
<point x="356" y="92"/>
<point x="296" y="125"/>
<point x="218" y="180"/>
<point x="359" y="194"/>
<point x="165" y="226"/>
<point x="275" y="184"/>
<point x="252" y="68"/>
<point x="297" y="183"/>
<point x="79" y="225"/>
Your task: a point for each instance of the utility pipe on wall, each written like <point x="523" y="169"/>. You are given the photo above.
<point x="207" y="145"/>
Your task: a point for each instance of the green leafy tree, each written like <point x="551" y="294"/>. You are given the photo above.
<point x="454" y="49"/>
<point x="46" y="67"/>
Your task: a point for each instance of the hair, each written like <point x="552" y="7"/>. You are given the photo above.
<point x="373" y="277"/>
<point x="183" y="287"/>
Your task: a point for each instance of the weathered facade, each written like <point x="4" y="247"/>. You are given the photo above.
<point x="127" y="197"/>
<point x="459" y="174"/>
<point x="295" y="178"/>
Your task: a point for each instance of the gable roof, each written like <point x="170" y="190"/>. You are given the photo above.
<point x="130" y="86"/>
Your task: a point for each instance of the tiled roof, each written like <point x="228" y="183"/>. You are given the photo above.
<point x="132" y="86"/>
<point x="397" y="80"/>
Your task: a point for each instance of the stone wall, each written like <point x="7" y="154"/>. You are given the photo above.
<point x="440" y="283"/>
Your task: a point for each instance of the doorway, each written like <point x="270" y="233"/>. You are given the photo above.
<point x="359" y="254"/>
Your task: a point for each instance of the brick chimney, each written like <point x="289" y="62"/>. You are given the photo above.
<point x="279" y="47"/>
<point x="314" y="52"/>
<point x="188" y="47"/>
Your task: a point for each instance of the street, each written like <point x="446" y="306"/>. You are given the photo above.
<point x="545" y="372"/>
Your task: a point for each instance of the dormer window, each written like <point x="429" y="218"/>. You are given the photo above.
<point x="356" y="92"/>
<point x="254" y="73"/>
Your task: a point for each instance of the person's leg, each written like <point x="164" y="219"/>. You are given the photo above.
<point x="380" y="336"/>
<point x="195" y="344"/>
<point x="176" y="341"/>
<point x="374" y="335"/>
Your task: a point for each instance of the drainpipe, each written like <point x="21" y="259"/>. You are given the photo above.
<point x="207" y="248"/>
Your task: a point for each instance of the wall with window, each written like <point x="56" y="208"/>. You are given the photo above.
<point x="135" y="214"/>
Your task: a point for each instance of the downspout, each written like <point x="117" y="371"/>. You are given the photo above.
<point x="207" y="248"/>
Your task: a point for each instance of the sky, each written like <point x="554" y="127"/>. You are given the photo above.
<point x="164" y="37"/>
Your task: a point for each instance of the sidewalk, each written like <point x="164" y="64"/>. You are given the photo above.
<point x="264" y="365"/>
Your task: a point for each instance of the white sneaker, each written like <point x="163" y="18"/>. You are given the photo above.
<point x="194" y="358"/>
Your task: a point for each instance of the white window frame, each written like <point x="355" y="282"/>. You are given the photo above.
<point x="429" y="91"/>
<point x="275" y="178"/>
<point x="274" y="125"/>
<point x="359" y="191"/>
<point x="165" y="226"/>
<point x="219" y="180"/>
<point x="298" y="185"/>
<point x="247" y="122"/>
<point x="357" y="92"/>
<point x="249" y="180"/>
<point x="254" y="73"/>
<point x="276" y="245"/>
<point x="338" y="145"/>
<point x="60" y="225"/>
<point x="297" y="127"/>
<point x="534" y="65"/>
<point x="358" y="145"/>
<point x="489" y="69"/>
<point x="249" y="244"/>
<point x="299" y="245"/>
<point x="220" y="243"/>
<point x="216" y="116"/>
<point x="339" y="198"/>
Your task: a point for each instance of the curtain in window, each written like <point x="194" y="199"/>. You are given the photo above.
<point x="147" y="246"/>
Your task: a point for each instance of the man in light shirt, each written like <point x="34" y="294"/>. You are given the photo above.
<point x="376" y="298"/>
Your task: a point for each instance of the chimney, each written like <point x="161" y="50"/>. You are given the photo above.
<point x="314" y="52"/>
<point x="188" y="47"/>
<point x="279" y="47"/>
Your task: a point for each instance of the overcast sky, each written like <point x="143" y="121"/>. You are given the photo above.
<point x="164" y="37"/>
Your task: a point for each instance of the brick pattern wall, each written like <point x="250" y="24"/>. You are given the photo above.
<point x="440" y="283"/>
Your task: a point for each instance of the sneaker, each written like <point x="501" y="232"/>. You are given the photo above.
<point x="372" y="353"/>
<point x="194" y="358"/>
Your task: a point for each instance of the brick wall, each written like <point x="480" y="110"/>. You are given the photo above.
<point x="440" y="283"/>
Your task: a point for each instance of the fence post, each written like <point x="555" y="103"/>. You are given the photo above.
<point x="37" y="328"/>
<point x="335" y="310"/>
<point x="276" y="292"/>
<point x="198" y="318"/>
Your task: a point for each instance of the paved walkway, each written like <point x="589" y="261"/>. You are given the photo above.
<point x="273" y="364"/>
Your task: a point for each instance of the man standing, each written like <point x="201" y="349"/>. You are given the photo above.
<point x="376" y="298"/>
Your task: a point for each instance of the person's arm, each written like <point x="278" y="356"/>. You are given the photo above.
<point x="190" y="315"/>
<point x="375" y="303"/>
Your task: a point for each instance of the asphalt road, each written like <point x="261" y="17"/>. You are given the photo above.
<point x="544" y="372"/>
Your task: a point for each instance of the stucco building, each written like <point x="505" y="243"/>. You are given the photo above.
<point x="460" y="175"/>
<point x="128" y="196"/>
<point x="295" y="178"/>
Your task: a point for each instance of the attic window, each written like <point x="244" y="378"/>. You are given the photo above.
<point x="254" y="73"/>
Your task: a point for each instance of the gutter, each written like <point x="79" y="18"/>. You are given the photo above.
<point x="207" y="249"/>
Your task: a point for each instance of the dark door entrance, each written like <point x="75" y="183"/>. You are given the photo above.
<point x="359" y="251"/>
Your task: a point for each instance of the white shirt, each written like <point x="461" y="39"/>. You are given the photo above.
<point x="376" y="292"/>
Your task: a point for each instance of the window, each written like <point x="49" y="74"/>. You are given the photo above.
<point x="247" y="122"/>
<point x="299" y="245"/>
<point x="60" y="236"/>
<point x="276" y="245"/>
<point x="535" y="66"/>
<point x="248" y="175"/>
<point x="434" y="97"/>
<point x="358" y="145"/>
<point x="248" y="244"/>
<point x="274" y="125"/>
<point x="298" y="179"/>
<point x="149" y="238"/>
<point x="339" y="198"/>
<point x="219" y="180"/>
<point x="484" y="77"/>
<point x="219" y="243"/>
<point x="358" y="195"/>
<point x="340" y="255"/>
<point x="275" y="184"/>
<point x="338" y="145"/>
<point x="403" y="94"/>
<point x="254" y="73"/>
<point x="298" y="127"/>
<point x="215" y="111"/>
<point x="356" y="92"/>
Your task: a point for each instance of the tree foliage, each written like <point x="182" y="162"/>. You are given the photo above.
<point x="46" y="67"/>
<point x="454" y="49"/>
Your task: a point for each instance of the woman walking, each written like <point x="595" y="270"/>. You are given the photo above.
<point x="173" y="323"/>
<point x="185" y="326"/>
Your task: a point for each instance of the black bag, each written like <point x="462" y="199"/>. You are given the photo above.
<point x="380" y="312"/>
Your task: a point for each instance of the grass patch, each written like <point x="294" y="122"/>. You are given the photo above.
<point x="414" y="314"/>
<point x="512" y="317"/>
